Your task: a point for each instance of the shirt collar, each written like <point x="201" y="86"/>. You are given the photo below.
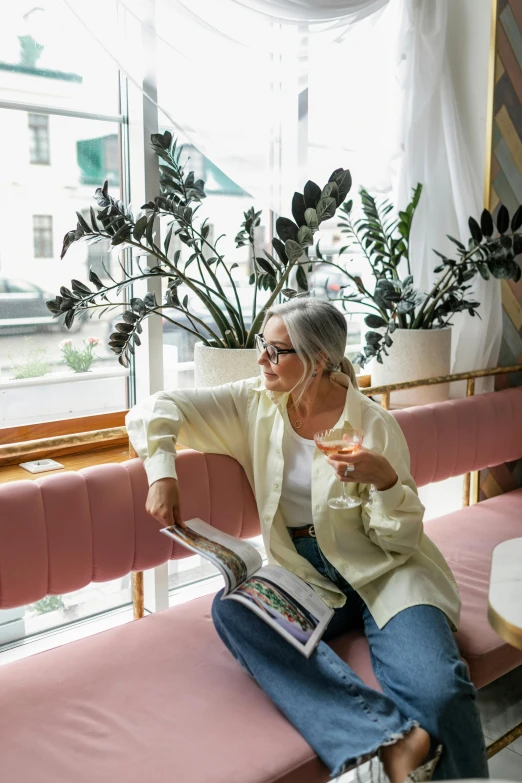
<point x="352" y="408"/>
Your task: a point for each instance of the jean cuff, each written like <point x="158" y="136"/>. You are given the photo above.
<point x="354" y="763"/>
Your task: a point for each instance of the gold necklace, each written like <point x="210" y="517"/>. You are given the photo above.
<point x="298" y="423"/>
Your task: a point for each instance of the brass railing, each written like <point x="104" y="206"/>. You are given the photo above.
<point x="15" y="452"/>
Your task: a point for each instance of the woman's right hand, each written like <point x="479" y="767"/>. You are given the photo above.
<point x="163" y="502"/>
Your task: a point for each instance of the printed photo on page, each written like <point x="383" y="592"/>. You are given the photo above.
<point x="287" y="604"/>
<point x="236" y="559"/>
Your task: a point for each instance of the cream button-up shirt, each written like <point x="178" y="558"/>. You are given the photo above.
<point x="379" y="547"/>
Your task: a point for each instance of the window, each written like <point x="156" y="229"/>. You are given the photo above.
<point x="99" y="258"/>
<point x="39" y="139"/>
<point x="73" y="91"/>
<point x="43" y="236"/>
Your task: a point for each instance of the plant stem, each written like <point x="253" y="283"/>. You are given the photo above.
<point x="239" y="324"/>
<point x="358" y="285"/>
<point x="259" y="318"/>
<point x="420" y="315"/>
<point x="366" y="304"/>
<point x="256" y="275"/>
<point x="216" y="313"/>
<point x="186" y="328"/>
<point x="355" y="235"/>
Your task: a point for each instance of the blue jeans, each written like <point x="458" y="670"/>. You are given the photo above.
<point x="415" y="659"/>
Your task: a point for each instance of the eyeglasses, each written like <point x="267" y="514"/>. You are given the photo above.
<point x="272" y="352"/>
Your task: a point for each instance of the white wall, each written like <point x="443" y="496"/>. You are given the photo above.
<point x="469" y="26"/>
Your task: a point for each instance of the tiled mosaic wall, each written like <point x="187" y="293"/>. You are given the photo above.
<point x="506" y="188"/>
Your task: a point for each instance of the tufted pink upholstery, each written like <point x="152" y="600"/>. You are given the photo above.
<point x="455" y="437"/>
<point x="59" y="533"/>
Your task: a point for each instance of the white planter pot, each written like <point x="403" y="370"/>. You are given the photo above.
<point x="214" y="366"/>
<point x="415" y="354"/>
<point x="61" y="395"/>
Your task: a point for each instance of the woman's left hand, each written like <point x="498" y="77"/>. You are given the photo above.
<point x="369" y="467"/>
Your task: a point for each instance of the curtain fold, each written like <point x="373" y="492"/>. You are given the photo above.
<point x="435" y="153"/>
<point x="309" y="11"/>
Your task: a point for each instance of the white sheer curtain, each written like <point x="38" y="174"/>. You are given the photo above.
<point x="369" y="83"/>
<point x="435" y="153"/>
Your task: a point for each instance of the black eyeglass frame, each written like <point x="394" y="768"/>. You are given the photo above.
<point x="278" y="351"/>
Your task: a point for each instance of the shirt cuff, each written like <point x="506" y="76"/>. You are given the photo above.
<point x="391" y="498"/>
<point x="160" y="466"/>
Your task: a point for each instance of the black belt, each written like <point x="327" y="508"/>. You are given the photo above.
<point x="299" y="532"/>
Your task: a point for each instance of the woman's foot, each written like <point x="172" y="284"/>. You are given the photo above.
<point x="405" y="755"/>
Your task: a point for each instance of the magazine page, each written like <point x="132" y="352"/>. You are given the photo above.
<point x="288" y="604"/>
<point x="236" y="559"/>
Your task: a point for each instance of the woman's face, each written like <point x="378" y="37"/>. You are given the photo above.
<point x="284" y="375"/>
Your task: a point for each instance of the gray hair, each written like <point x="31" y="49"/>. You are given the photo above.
<point x="317" y="329"/>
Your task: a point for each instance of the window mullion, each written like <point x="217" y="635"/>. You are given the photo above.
<point x="143" y="185"/>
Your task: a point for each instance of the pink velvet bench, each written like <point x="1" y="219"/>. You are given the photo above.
<point x="161" y="699"/>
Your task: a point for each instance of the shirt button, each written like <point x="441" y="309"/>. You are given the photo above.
<point x="267" y="517"/>
<point x="278" y="451"/>
<point x="276" y="485"/>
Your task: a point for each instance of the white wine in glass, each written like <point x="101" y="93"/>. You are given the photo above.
<point x="343" y="440"/>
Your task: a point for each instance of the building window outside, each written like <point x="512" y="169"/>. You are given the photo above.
<point x="99" y="258"/>
<point x="43" y="236"/>
<point x="39" y="139"/>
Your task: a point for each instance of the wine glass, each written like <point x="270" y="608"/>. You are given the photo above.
<point x="343" y="440"/>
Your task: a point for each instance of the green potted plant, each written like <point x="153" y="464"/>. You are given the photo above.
<point x="201" y="276"/>
<point x="409" y="333"/>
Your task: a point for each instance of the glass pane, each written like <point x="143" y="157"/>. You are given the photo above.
<point x="39" y="207"/>
<point x="49" y="58"/>
<point x="55" y="611"/>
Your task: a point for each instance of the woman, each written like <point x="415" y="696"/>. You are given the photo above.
<point x="372" y="564"/>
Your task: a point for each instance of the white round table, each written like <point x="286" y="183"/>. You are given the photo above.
<point x="505" y="591"/>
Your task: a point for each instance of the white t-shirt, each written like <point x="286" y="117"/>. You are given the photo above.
<point x="296" y="494"/>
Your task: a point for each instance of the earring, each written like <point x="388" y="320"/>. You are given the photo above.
<point x="314" y="374"/>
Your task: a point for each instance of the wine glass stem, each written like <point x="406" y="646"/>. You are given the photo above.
<point x="343" y="486"/>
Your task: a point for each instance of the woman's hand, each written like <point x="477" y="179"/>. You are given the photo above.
<point x="369" y="467"/>
<point x="163" y="502"/>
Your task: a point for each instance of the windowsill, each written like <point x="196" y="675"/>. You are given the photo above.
<point x="69" y="376"/>
<point x="69" y="462"/>
<point x="57" y="636"/>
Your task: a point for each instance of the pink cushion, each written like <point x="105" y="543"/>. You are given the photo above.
<point x="155" y="700"/>
<point x="451" y="438"/>
<point x="467" y="538"/>
<point x="61" y="532"/>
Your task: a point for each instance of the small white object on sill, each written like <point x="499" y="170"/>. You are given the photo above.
<point x="40" y="465"/>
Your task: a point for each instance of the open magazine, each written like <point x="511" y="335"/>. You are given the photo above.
<point x="285" y="602"/>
